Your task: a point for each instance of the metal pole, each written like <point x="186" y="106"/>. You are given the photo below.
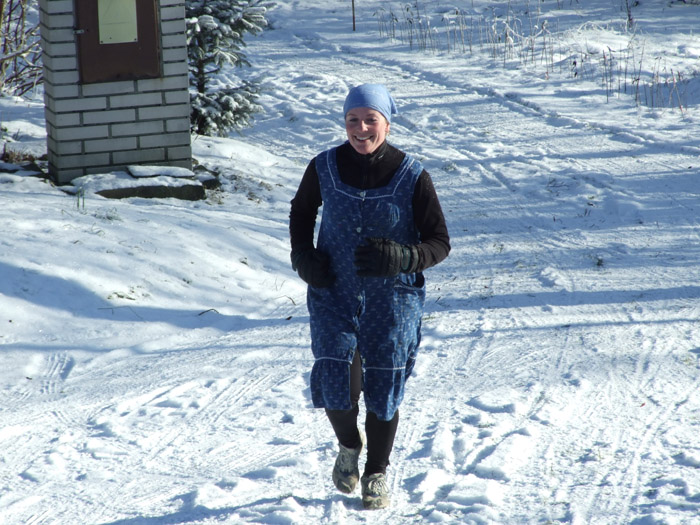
<point x="353" y="15"/>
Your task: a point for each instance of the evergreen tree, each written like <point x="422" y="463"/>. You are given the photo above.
<point x="215" y="30"/>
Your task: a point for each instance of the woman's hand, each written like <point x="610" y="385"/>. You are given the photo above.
<point x="314" y="267"/>
<point x="383" y="258"/>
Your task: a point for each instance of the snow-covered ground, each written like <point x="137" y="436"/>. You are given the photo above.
<point x="154" y="355"/>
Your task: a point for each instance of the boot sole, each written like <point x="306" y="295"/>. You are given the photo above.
<point x="375" y="503"/>
<point x="345" y="488"/>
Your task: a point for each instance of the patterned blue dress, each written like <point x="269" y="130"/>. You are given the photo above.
<point x="379" y="317"/>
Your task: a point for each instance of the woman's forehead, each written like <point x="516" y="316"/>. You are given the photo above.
<point x="363" y="112"/>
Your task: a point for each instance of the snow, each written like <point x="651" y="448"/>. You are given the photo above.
<point x="154" y="171"/>
<point x="155" y="353"/>
<point x="123" y="179"/>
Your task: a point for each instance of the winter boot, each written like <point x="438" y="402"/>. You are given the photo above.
<point x="346" y="474"/>
<point x="375" y="491"/>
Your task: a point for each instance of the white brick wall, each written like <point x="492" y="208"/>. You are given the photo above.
<point x="96" y="128"/>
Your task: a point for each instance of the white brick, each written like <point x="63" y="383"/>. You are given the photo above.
<point x="177" y="97"/>
<point x="164" y="112"/>
<point x="173" y="13"/>
<point x="58" y="78"/>
<point x="54" y="21"/>
<point x="58" y="50"/>
<point x="96" y="146"/>
<point x="169" y="139"/>
<point x="58" y="36"/>
<point x="139" y="156"/>
<point x="180" y="124"/>
<point x="175" y="54"/>
<point x="61" y="92"/>
<point x="109" y="116"/>
<point x="66" y="148"/>
<point x="184" y="161"/>
<point x="62" y="120"/>
<point x="64" y="175"/>
<point x="171" y="69"/>
<point x="57" y="6"/>
<point x="142" y="99"/>
<point x="173" y="27"/>
<point x="170" y="3"/>
<point x="175" y="40"/>
<point x="80" y="133"/>
<point x="109" y="88"/>
<point x="163" y="84"/>
<point x="137" y="128"/>
<point x="60" y="63"/>
<point x="72" y="105"/>
<point x="81" y="161"/>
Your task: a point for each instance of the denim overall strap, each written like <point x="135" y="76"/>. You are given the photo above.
<point x="379" y="317"/>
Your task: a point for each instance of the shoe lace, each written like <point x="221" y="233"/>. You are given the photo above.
<point x="377" y="485"/>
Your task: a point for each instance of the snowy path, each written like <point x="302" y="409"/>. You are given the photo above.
<point x="553" y="231"/>
<point x="558" y="379"/>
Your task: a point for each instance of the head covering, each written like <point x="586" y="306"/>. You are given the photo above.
<point x="374" y="96"/>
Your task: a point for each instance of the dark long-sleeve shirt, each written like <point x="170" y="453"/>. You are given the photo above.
<point x="370" y="172"/>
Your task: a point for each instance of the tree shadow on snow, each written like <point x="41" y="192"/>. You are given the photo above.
<point x="262" y="510"/>
<point x="562" y="298"/>
<point x="55" y="293"/>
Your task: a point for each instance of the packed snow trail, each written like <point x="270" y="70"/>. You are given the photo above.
<point x="558" y="378"/>
<point x="554" y="223"/>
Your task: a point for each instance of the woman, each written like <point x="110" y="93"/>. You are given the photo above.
<point x="381" y="226"/>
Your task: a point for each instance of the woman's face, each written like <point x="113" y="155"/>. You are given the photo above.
<point x="366" y="129"/>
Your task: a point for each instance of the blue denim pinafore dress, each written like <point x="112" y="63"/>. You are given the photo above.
<point x="379" y="317"/>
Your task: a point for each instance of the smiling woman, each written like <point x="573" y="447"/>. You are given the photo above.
<point x="381" y="226"/>
<point x="368" y="109"/>
<point x="367" y="129"/>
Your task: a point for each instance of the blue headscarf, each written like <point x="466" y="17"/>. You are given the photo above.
<point x="374" y="96"/>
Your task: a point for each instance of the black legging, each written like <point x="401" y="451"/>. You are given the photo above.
<point x="380" y="434"/>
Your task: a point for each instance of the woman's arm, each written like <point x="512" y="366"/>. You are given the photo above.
<point x="434" y="243"/>
<point x="305" y="205"/>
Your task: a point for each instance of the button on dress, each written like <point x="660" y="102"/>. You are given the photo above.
<point x="379" y="317"/>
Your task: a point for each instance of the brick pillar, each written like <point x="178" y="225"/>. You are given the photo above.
<point x="106" y="126"/>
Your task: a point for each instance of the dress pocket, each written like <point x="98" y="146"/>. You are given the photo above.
<point x="414" y="282"/>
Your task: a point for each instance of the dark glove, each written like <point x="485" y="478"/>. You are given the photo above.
<point x="314" y="267"/>
<point x="383" y="258"/>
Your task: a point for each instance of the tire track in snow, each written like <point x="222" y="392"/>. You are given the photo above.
<point x="452" y="460"/>
<point x="180" y="411"/>
<point x="44" y="375"/>
<point x="622" y="475"/>
<point x="140" y="431"/>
